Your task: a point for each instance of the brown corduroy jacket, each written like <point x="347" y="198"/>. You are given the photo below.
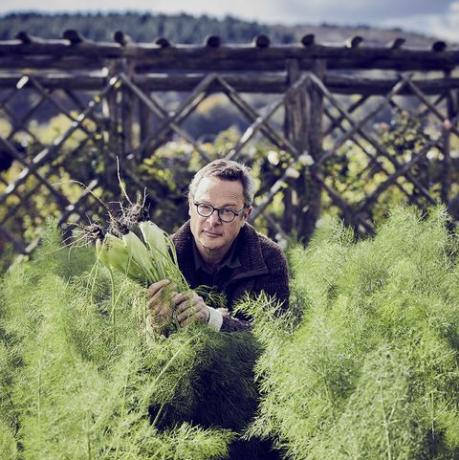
<point x="263" y="267"/>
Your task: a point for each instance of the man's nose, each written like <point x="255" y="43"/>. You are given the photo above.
<point x="214" y="218"/>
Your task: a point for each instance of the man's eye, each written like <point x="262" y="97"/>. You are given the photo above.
<point x="227" y="212"/>
<point x="205" y="209"/>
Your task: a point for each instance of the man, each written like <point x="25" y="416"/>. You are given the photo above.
<point x="219" y="249"/>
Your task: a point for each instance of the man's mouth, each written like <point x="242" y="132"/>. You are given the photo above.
<point x="211" y="234"/>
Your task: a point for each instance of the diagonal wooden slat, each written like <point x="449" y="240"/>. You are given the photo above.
<point x="30" y="171"/>
<point x="252" y="115"/>
<point x="373" y="142"/>
<point x="47" y="96"/>
<point x="72" y="208"/>
<point x="19" y="247"/>
<point x="373" y="158"/>
<point x="48" y="153"/>
<point x="187" y="107"/>
<point x="423" y="98"/>
<point x="156" y="108"/>
<point x="350" y="214"/>
<point x="261" y="120"/>
<point x="337" y="122"/>
<point x="400" y="172"/>
<point x="17" y="128"/>
<point x="356" y="127"/>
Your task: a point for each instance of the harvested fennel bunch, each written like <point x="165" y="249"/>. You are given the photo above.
<point x="145" y="254"/>
<point x="136" y="247"/>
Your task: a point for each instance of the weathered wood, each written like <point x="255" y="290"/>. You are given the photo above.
<point x="250" y="83"/>
<point x="310" y="201"/>
<point x="308" y="40"/>
<point x="122" y="38"/>
<point x="72" y="208"/>
<point x="373" y="159"/>
<point x="18" y="246"/>
<point x="74" y="37"/>
<point x="62" y="63"/>
<point x="350" y="216"/>
<point x="193" y="100"/>
<point x="251" y="114"/>
<point x="261" y="120"/>
<point x="401" y="171"/>
<point x="295" y="130"/>
<point x="137" y="71"/>
<point x="48" y="153"/>
<point x="353" y="42"/>
<point x="452" y="112"/>
<point x="337" y="122"/>
<point x="396" y="43"/>
<point x="358" y="129"/>
<point x="260" y="55"/>
<point x="154" y="107"/>
<point x="431" y="106"/>
<point x="213" y="41"/>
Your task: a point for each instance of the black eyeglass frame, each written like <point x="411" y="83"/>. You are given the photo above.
<point x="235" y="213"/>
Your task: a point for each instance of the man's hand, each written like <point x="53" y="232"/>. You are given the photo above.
<point x="160" y="295"/>
<point x="190" y="308"/>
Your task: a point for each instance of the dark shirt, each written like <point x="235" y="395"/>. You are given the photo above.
<point x="222" y="272"/>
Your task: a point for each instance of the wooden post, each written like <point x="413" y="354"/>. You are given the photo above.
<point x="145" y="122"/>
<point x="127" y="112"/>
<point x="112" y="113"/>
<point x="295" y="125"/>
<point x="310" y="203"/>
<point x="451" y="108"/>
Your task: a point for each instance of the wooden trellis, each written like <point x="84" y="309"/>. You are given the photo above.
<point x="327" y="95"/>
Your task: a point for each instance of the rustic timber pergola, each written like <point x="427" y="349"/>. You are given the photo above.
<point x="329" y="95"/>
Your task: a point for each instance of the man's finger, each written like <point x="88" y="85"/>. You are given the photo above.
<point x="187" y="311"/>
<point x="161" y="297"/>
<point x="156" y="287"/>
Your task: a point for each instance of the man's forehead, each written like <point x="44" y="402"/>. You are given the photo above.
<point x="216" y="188"/>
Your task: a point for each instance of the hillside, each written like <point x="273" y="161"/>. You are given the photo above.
<point x="184" y="28"/>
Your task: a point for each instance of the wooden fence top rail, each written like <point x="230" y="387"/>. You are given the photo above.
<point x="261" y="54"/>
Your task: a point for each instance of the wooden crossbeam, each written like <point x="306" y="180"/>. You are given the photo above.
<point x="350" y="214"/>
<point x="260" y="55"/>
<point x="422" y="97"/>
<point x="337" y="122"/>
<point x="375" y="144"/>
<point x="402" y="171"/>
<point x="48" y="153"/>
<point x="251" y="114"/>
<point x="261" y="120"/>
<point x="185" y="109"/>
<point x="373" y="158"/>
<point x="156" y="108"/>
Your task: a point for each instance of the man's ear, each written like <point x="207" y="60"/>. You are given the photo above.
<point x="247" y="212"/>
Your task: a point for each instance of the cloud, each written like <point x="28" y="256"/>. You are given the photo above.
<point x="444" y="26"/>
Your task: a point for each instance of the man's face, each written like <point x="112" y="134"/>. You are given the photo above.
<point x="210" y="233"/>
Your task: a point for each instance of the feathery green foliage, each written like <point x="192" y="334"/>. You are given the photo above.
<point x="371" y="370"/>
<point x="79" y="372"/>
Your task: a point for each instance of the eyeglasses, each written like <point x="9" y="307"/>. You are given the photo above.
<point x="224" y="214"/>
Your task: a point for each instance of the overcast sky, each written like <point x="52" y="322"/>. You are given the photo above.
<point x="434" y="17"/>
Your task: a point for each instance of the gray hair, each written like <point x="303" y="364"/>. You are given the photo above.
<point x="226" y="170"/>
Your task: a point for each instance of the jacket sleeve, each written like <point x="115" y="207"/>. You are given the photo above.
<point x="232" y="324"/>
<point x="275" y="284"/>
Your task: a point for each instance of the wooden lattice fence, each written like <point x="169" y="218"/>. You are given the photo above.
<point x="324" y="124"/>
